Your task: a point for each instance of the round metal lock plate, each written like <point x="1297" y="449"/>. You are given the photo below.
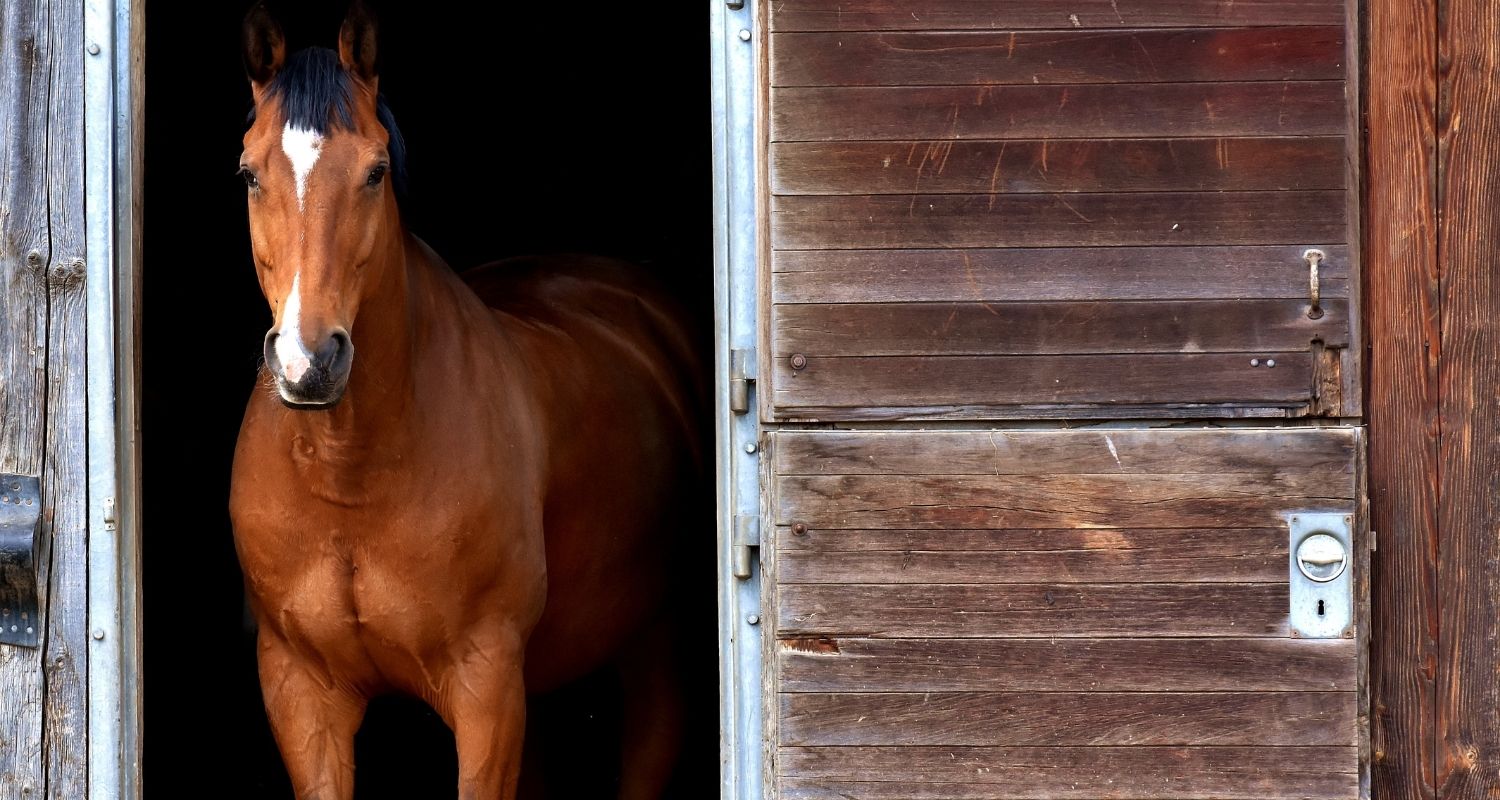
<point x="1322" y="557"/>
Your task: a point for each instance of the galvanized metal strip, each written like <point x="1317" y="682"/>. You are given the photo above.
<point x="110" y="74"/>
<point x="734" y="50"/>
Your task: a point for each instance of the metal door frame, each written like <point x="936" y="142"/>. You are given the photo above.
<point x="735" y="77"/>
<point x="114" y="33"/>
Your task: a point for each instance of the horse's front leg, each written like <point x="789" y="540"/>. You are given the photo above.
<point x="313" y="718"/>
<point x="483" y="699"/>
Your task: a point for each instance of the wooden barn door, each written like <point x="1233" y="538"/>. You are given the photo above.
<point x="1059" y="390"/>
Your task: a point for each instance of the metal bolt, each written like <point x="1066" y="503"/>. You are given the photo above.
<point x="1270" y="362"/>
<point x="1254" y="362"/>
<point x="30" y="629"/>
<point x="744" y="35"/>
<point x="799" y="361"/>
<point x="799" y="529"/>
<point x="750" y="447"/>
<point x="753" y="619"/>
<point x="93" y="48"/>
<point x="99" y="634"/>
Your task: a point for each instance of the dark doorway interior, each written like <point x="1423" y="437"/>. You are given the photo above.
<point x="531" y="128"/>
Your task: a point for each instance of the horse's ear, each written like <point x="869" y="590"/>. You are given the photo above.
<point x="264" y="46"/>
<point x="357" y="42"/>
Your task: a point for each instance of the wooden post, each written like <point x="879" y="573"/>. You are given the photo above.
<point x="1468" y="382"/>
<point x="43" y="748"/>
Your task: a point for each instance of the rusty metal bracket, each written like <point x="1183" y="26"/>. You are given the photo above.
<point x="20" y="530"/>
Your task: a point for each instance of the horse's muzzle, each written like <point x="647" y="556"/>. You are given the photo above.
<point x="321" y="381"/>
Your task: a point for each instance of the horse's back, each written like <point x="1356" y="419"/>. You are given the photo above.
<point x="622" y="395"/>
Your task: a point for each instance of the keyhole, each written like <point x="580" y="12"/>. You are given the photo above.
<point x="1320" y="608"/>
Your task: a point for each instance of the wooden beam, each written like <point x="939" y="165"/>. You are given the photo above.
<point x="1468" y="371"/>
<point x="1401" y="253"/>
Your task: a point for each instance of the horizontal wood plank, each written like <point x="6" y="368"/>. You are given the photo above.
<point x="1051" y="665"/>
<point x="1042" y="274"/>
<point x="1055" y="220"/>
<point x="1067" y="773"/>
<point x="1089" y="111"/>
<point x="990" y="381"/>
<point x="1052" y="610"/>
<point x="945" y="329"/>
<point x="1067" y="165"/>
<point x="1114" y="556"/>
<point x="1068" y="718"/>
<point x="841" y="15"/>
<point x="1189" y="500"/>
<point x="1325" y="454"/>
<point x="928" y="58"/>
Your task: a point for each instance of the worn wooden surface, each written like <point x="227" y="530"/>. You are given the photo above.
<point x="823" y="664"/>
<point x="1058" y="165"/>
<point x="965" y="155"/>
<point x="1406" y="347"/>
<point x="1468" y="382"/>
<point x="43" y="724"/>
<point x="1032" y="57"/>
<point x="1057" y="274"/>
<point x="1108" y="605"/>
<point x="1071" y="773"/>
<point x="840" y="15"/>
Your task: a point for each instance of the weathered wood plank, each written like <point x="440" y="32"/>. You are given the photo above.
<point x="28" y="62"/>
<point x="1052" y="610"/>
<point x="929" y="58"/>
<point x="1468" y="374"/>
<point x="1055" y="220"/>
<point x="1043" y="274"/>
<point x="1051" y="665"/>
<point x="1325" y="454"/>
<point x="1089" y="111"/>
<point x="65" y="661"/>
<point x="1114" y="556"/>
<point x="1405" y="345"/>
<point x="837" y="15"/>
<point x="944" y="329"/>
<point x="1068" y="718"/>
<point x="1067" y="773"/>
<point x="1111" y="380"/>
<point x="1067" y="165"/>
<point x="1187" y="500"/>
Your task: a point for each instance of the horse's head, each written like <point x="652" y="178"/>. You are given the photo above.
<point x="319" y="164"/>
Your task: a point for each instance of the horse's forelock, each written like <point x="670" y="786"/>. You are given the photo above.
<point x="316" y="93"/>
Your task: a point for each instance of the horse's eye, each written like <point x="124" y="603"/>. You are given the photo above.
<point x="376" y="176"/>
<point x="250" y="179"/>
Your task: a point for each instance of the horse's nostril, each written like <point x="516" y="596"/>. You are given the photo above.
<point x="336" y="352"/>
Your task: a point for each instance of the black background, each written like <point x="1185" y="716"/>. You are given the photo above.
<point x="531" y="128"/>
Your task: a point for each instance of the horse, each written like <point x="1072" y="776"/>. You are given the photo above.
<point x="461" y="487"/>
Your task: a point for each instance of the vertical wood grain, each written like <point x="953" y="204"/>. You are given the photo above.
<point x="1401" y="259"/>
<point x="65" y="659"/>
<point x="1468" y="556"/>
<point x="26" y="64"/>
<point x="43" y="716"/>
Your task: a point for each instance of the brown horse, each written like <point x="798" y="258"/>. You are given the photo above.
<point x="477" y="505"/>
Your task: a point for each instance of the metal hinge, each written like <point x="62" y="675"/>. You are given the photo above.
<point x="746" y="542"/>
<point x="741" y="375"/>
<point x="20" y="530"/>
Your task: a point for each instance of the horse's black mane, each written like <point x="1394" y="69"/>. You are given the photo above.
<point x="316" y="93"/>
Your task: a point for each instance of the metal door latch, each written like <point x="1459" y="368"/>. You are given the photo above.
<point x="741" y="375"/>
<point x="20" y="526"/>
<point x="1322" y="600"/>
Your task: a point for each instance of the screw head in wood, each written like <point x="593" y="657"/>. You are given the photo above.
<point x="799" y="361"/>
<point x="93" y="49"/>
<point x="99" y="634"/>
<point x="799" y="529"/>
<point x="753" y="619"/>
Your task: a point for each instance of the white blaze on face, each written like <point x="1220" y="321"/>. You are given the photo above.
<point x="295" y="360"/>
<point x="302" y="148"/>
